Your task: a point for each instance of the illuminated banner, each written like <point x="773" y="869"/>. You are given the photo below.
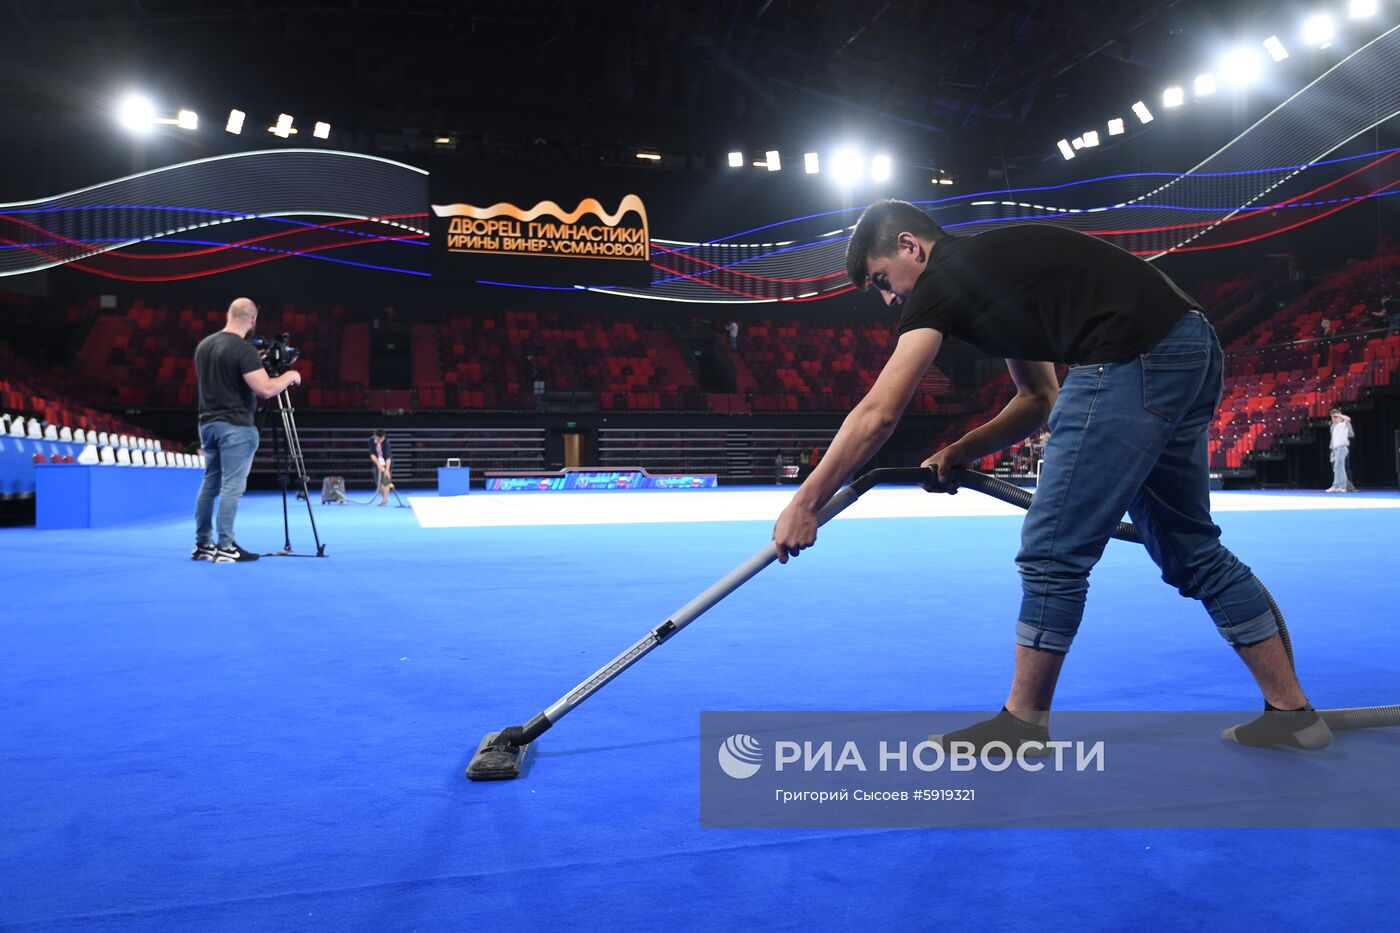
<point x="548" y="232"/>
<point x="595" y="479"/>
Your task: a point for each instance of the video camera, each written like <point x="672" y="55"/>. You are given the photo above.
<point x="277" y="353"/>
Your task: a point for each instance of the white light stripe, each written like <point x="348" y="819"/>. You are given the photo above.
<point x="219" y="158"/>
<point x="111" y="247"/>
<point x="698" y="301"/>
<point x="1258" y="122"/>
<point x="722" y="245"/>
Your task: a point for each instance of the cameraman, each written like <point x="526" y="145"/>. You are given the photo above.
<point x="383" y="460"/>
<point x="230" y="374"/>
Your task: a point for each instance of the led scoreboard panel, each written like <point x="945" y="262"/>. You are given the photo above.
<point x="629" y="479"/>
<point x="597" y="481"/>
<point x="681" y="482"/>
<point x="525" y="483"/>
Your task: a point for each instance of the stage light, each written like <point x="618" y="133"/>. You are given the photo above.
<point x="1319" y="30"/>
<point x="945" y="179"/>
<point x="1066" y="149"/>
<point x="136" y="114"/>
<point x="810" y="163"/>
<point x="1143" y="114"/>
<point x="187" y="120"/>
<point x="880" y="168"/>
<point x="321" y="131"/>
<point x="650" y="156"/>
<point x="1205" y="85"/>
<point x="1360" y="9"/>
<point x="1240" y="68"/>
<point x="1077" y="142"/>
<point x="1091" y="139"/>
<point x="774" y="161"/>
<point x="283" y="127"/>
<point x="1276" y="50"/>
<point x="1173" y="97"/>
<point x="847" y="166"/>
<point x="1116" y="127"/>
<point x="736" y="160"/>
<point x="235" y="122"/>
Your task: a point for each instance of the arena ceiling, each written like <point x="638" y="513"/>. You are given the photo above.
<point x="988" y="80"/>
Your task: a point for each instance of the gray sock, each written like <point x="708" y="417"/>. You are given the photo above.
<point x="1297" y="728"/>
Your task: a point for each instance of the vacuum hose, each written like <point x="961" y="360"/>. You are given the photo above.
<point x="927" y="477"/>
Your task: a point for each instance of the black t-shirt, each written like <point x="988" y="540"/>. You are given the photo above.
<point x="385" y="455"/>
<point x="1039" y="292"/>
<point x="220" y="361"/>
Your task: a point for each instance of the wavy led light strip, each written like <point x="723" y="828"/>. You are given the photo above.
<point x="366" y="210"/>
<point x="728" y="270"/>
<point x="133" y="212"/>
<point x="121" y="256"/>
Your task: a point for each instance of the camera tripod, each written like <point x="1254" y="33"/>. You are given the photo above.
<point x="286" y="459"/>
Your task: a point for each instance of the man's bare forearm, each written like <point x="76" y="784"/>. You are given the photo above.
<point x="862" y="434"/>
<point x="275" y="387"/>
<point x="1021" y="417"/>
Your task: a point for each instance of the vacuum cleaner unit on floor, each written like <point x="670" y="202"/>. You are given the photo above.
<point x="501" y="754"/>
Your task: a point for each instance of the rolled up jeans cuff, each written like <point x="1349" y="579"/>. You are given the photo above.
<point x="1260" y="628"/>
<point x="1043" y="639"/>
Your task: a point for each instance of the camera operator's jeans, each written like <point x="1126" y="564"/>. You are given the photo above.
<point x="228" y="456"/>
<point x="1339" y="468"/>
<point x="1132" y="437"/>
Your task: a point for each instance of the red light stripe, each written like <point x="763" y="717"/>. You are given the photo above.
<point x="258" y="260"/>
<point x="1243" y="216"/>
<point x="1269" y="233"/>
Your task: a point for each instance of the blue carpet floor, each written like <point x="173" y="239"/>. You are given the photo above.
<point x="280" y="745"/>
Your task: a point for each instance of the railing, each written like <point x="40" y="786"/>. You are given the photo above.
<point x="1274" y="355"/>
<point x="416" y="454"/>
<point x="738" y="455"/>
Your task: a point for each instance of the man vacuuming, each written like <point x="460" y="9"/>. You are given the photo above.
<point x="381" y="455"/>
<point x="1128" y="434"/>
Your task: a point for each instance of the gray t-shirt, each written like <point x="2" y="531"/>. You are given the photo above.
<point x="220" y="361"/>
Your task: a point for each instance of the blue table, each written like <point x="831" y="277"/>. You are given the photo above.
<point x="75" y="495"/>
<point x="454" y="481"/>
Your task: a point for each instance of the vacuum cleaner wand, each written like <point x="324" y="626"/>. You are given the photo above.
<point x="501" y="755"/>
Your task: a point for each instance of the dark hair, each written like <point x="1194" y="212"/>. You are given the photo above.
<point x="877" y="234"/>
<point x="1390" y="304"/>
<point x="379" y="432"/>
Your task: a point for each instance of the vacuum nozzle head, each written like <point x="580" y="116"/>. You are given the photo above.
<point x="496" y="759"/>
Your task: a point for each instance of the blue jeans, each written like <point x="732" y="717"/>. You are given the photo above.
<point x="228" y="456"/>
<point x="1339" y="468"/>
<point x="1132" y="437"/>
